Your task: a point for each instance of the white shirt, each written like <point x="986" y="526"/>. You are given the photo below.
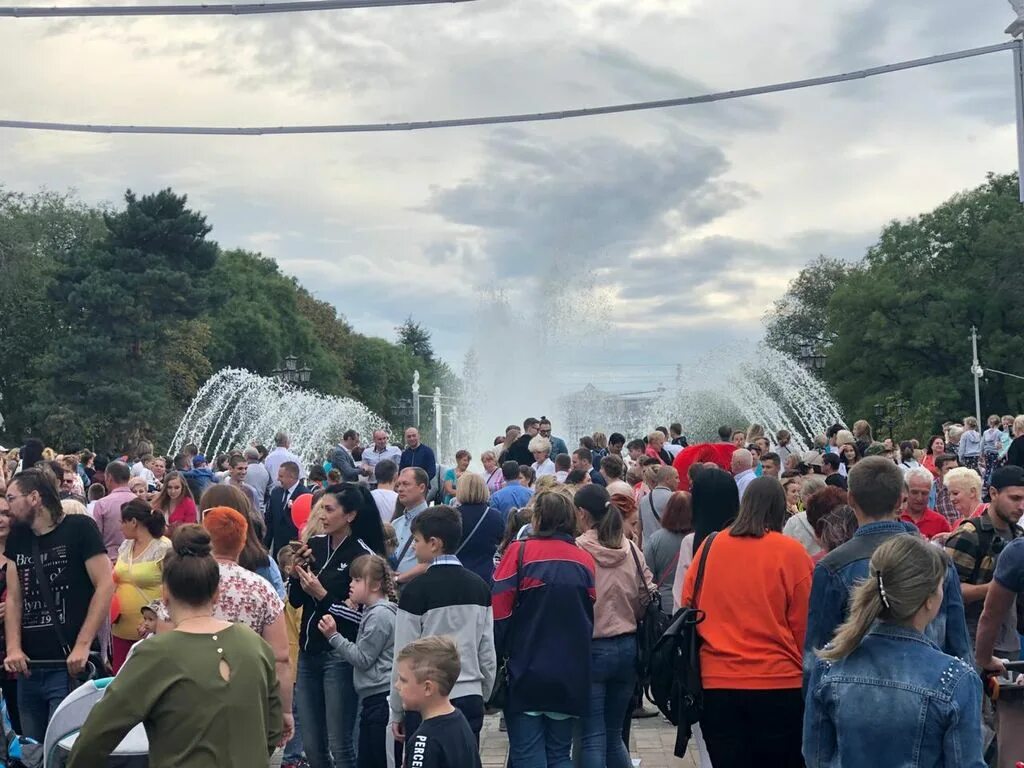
<point x="743" y="479"/>
<point x="385" y="503"/>
<point x="673" y="450"/>
<point x="546" y="467"/>
<point x="140" y="470"/>
<point x="372" y="457"/>
<point x="276" y="458"/>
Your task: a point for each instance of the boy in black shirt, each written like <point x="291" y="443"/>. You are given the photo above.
<point x="427" y="672"/>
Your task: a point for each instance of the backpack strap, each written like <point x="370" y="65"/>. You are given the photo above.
<point x="986" y="535"/>
<point x="671" y="567"/>
<point x="700" y="567"/>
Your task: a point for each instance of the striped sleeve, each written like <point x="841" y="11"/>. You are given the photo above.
<point x="506" y="582"/>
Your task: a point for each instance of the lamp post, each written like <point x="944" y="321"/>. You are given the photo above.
<point x="810" y="359"/>
<point x="290" y="372"/>
<point x="891" y="413"/>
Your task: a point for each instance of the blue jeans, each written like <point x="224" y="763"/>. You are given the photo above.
<point x="38" y="697"/>
<point x="293" y="749"/>
<point x="537" y="741"/>
<point x="327" y="704"/>
<point x="612" y="680"/>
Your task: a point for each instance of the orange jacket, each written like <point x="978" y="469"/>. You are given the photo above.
<point x="755" y="594"/>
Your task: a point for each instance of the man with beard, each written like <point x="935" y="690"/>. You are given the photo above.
<point x="996" y="568"/>
<point x="58" y="594"/>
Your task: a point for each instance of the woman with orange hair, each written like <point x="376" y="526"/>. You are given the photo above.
<point x="246" y="598"/>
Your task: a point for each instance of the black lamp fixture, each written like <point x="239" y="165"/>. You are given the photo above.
<point x="290" y="372"/>
<point x="891" y="413"/>
<point x="810" y="359"/>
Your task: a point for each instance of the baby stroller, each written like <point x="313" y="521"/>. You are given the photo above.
<point x="15" y="750"/>
<point x="1008" y="696"/>
<point x="69" y="717"/>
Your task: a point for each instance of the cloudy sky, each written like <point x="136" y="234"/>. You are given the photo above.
<point x="680" y="225"/>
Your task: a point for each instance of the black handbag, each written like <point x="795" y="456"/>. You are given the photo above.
<point x="675" y="684"/>
<point x="650" y="626"/>
<point x="499" y="693"/>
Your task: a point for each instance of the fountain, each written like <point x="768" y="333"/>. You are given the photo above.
<point x="236" y="408"/>
<point x="759" y="385"/>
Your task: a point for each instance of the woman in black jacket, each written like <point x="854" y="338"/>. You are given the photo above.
<point x="1015" y="453"/>
<point x="319" y="584"/>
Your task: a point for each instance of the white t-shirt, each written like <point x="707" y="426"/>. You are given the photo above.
<point x="546" y="467"/>
<point x="673" y="449"/>
<point x="385" y="503"/>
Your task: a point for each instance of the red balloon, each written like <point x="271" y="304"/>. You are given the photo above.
<point x="301" y="507"/>
<point x="115" y="609"/>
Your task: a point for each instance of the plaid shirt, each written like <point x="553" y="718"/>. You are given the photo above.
<point x="963" y="549"/>
<point x="943" y="504"/>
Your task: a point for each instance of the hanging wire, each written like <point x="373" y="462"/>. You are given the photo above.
<point x="207" y="9"/>
<point x="686" y="101"/>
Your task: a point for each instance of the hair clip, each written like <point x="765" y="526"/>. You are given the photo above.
<point x="881" y="591"/>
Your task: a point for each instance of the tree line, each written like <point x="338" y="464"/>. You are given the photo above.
<point x="896" y="324"/>
<point x="111" y="320"/>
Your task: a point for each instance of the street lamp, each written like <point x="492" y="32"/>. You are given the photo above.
<point x="290" y="372"/>
<point x="810" y="359"/>
<point x="891" y="414"/>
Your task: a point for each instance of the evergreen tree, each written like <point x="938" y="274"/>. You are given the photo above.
<point x="122" y="305"/>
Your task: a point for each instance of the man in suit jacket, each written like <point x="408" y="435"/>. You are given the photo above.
<point x="341" y="457"/>
<point x="280" y="528"/>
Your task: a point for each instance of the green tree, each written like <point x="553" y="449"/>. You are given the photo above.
<point x="34" y="229"/>
<point x="902" y="318"/>
<point x="121" y="304"/>
<point x="415" y="338"/>
<point x="799" y="318"/>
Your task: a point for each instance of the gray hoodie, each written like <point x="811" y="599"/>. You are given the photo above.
<point x="373" y="652"/>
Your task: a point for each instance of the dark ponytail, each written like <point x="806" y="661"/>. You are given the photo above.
<point x="151" y="519"/>
<point x="190" y="572"/>
<point x="607" y="519"/>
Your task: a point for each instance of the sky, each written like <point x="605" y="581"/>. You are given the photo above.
<point x="665" y="234"/>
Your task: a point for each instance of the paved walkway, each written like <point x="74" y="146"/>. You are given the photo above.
<point x="651" y="746"/>
<point x="652" y="743"/>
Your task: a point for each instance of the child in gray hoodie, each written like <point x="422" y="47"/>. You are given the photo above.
<point x="372" y="654"/>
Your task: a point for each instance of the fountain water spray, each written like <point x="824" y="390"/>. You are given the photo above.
<point x="236" y="408"/>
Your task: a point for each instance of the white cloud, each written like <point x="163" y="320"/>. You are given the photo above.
<point x="687" y="222"/>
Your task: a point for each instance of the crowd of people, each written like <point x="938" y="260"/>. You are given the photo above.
<point x="369" y="609"/>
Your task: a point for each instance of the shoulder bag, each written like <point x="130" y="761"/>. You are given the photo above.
<point x="675" y="684"/>
<point x="651" y="625"/>
<point x="499" y="694"/>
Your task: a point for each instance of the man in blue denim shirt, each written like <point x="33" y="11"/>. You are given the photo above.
<point x="876" y="488"/>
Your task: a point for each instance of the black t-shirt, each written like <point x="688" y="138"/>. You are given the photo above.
<point x="443" y="742"/>
<point x="64" y="552"/>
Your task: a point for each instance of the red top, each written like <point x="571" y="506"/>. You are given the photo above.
<point x="930" y="524"/>
<point x="183" y="514"/>
<point x="757" y="593"/>
<point x="719" y="453"/>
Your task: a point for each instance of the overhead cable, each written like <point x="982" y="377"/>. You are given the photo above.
<point x="421" y="125"/>
<point x="206" y="9"/>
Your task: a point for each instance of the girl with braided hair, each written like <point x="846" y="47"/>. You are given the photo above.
<point x="372" y="653"/>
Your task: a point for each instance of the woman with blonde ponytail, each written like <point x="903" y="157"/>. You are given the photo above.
<point x="904" y="702"/>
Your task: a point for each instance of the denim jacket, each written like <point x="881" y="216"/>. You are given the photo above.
<point x="836" y="575"/>
<point x="897" y="700"/>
